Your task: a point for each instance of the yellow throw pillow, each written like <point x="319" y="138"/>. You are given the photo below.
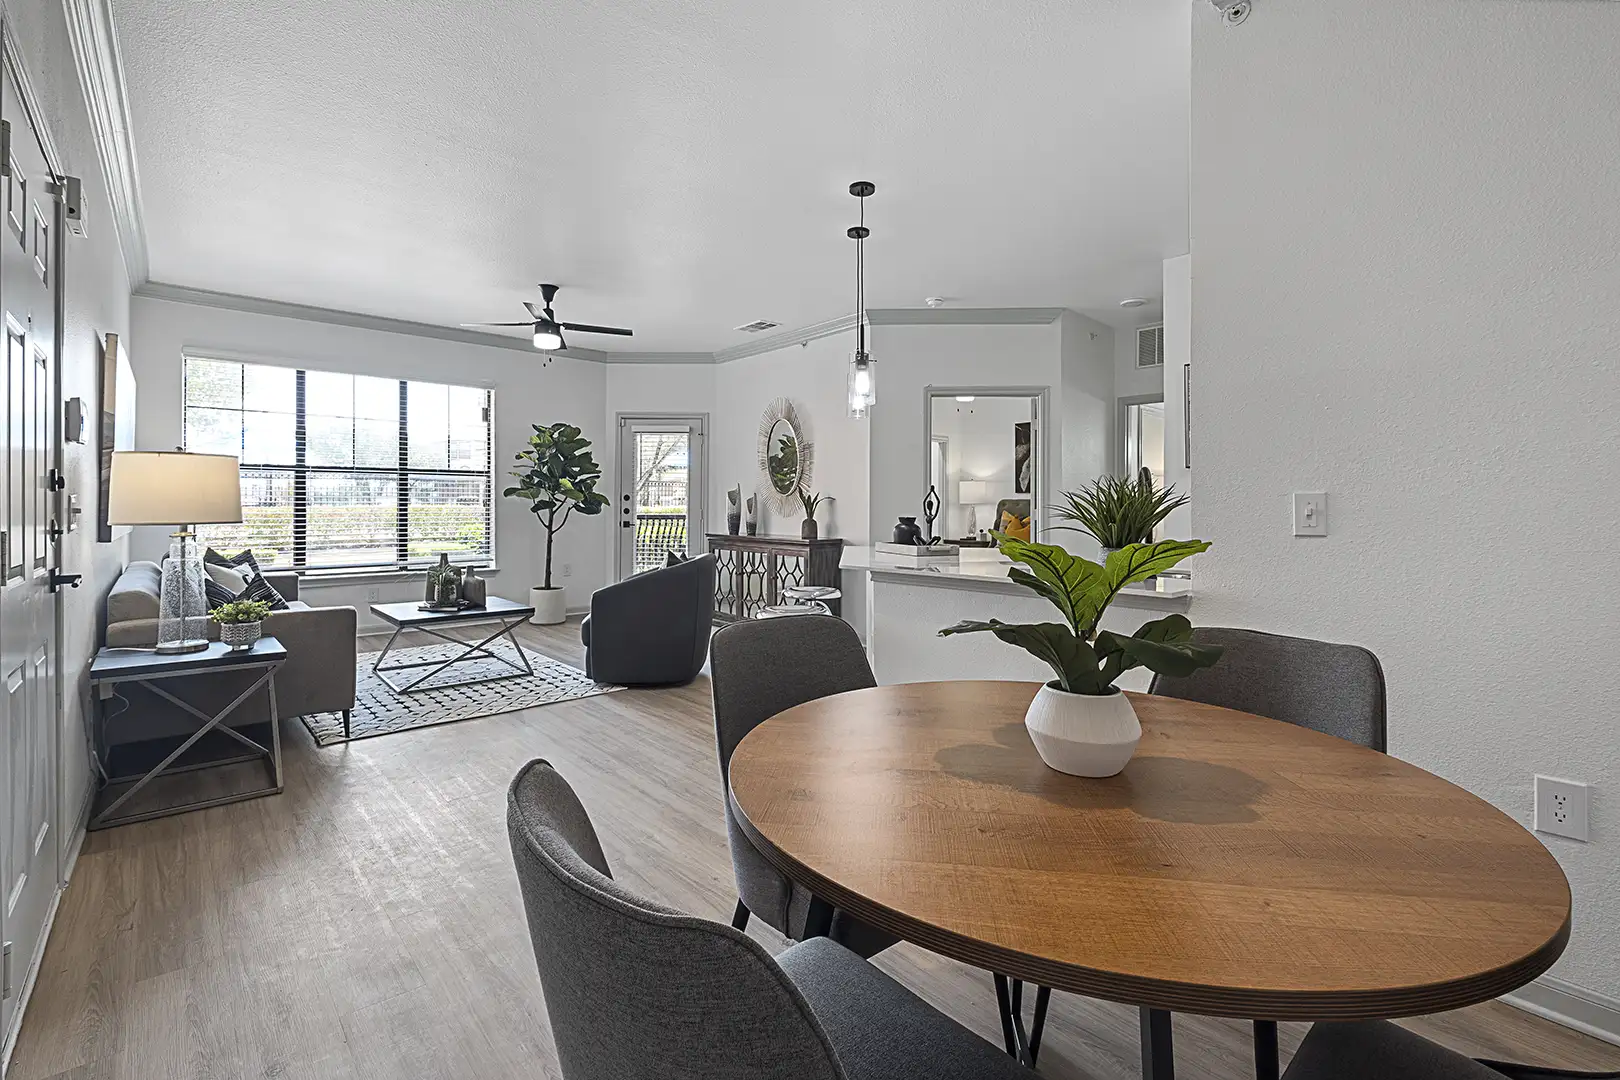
<point x="1014" y="526"/>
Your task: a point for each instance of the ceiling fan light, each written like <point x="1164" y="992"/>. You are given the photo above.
<point x="548" y="337"/>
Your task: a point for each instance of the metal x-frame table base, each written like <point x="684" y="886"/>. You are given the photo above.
<point x="106" y="818"/>
<point x="471" y="650"/>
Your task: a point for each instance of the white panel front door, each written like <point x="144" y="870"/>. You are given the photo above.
<point x="660" y="491"/>
<point x="29" y="278"/>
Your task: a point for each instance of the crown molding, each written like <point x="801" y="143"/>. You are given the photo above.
<point x="658" y="358"/>
<point x="801" y="336"/>
<point x="1016" y="316"/>
<point x="28" y="98"/>
<point x="184" y="294"/>
<point x="106" y="97"/>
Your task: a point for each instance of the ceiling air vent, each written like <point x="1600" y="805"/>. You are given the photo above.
<point x="1150" y="347"/>
<point x="757" y="326"/>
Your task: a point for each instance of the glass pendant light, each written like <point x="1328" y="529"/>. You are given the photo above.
<point x="862" y="369"/>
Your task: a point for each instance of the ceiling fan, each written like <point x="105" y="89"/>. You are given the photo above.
<point x="547" y="330"/>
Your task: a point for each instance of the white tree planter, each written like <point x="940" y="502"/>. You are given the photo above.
<point x="1083" y="734"/>
<point x="550" y="606"/>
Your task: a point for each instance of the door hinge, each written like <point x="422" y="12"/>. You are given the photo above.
<point x="5" y="971"/>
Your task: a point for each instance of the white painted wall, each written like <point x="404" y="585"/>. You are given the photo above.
<point x="97" y="303"/>
<point x="1088" y="406"/>
<point x="1180" y="525"/>
<point x="910" y="358"/>
<point x="1405" y="284"/>
<point x="526" y="393"/>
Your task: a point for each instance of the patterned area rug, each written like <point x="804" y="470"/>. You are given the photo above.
<point x="379" y="710"/>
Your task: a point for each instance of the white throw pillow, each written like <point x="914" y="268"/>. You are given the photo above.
<point x="226" y="577"/>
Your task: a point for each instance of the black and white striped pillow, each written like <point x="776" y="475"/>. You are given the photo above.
<point x="245" y="564"/>
<point x="262" y="590"/>
<point x="217" y="594"/>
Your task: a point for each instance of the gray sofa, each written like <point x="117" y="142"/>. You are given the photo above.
<point x="651" y="629"/>
<point x="320" y="642"/>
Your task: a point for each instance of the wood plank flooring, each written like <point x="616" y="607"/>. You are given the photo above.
<point x="367" y="924"/>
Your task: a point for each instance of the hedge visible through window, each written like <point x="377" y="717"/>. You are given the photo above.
<point x="345" y="472"/>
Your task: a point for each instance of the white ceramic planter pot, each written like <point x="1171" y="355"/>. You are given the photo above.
<point x="240" y="635"/>
<point x="550" y="606"/>
<point x="1083" y="734"/>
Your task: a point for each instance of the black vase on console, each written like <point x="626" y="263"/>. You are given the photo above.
<point x="907" y="532"/>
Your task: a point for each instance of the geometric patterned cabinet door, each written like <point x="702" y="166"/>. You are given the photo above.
<point x="751" y="571"/>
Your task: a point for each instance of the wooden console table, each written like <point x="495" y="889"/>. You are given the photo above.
<point x="751" y="571"/>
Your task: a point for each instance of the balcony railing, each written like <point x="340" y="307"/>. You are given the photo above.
<point x="657" y="534"/>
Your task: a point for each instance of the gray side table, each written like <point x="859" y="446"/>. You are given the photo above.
<point x="112" y="667"/>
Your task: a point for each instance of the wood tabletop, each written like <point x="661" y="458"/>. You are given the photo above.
<point x="1239" y="866"/>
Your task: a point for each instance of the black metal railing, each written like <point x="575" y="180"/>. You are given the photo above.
<point x="657" y="534"/>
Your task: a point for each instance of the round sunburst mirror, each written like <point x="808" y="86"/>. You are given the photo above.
<point x="785" y="455"/>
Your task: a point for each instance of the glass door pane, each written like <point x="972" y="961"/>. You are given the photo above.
<point x="661" y="495"/>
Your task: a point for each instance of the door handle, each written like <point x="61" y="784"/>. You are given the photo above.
<point x="58" y="579"/>
<point x="626" y="524"/>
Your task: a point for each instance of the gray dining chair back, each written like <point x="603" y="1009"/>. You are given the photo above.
<point x="758" y="669"/>
<point x="1337" y="689"/>
<point x="1360" y="1049"/>
<point x="636" y="990"/>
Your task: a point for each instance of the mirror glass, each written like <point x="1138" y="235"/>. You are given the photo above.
<point x="782" y="458"/>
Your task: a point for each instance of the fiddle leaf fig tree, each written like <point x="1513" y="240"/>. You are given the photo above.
<point x="556" y="477"/>
<point x="1088" y="660"/>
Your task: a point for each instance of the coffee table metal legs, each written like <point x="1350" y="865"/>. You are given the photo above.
<point x="469" y="650"/>
<point x="1158" y="1046"/>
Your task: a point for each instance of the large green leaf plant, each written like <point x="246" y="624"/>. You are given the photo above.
<point x="557" y="476"/>
<point x="1088" y="660"/>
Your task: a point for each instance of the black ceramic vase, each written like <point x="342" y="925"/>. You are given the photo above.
<point x="906" y="532"/>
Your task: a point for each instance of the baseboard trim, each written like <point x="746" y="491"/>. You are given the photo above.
<point x="1572" y="1006"/>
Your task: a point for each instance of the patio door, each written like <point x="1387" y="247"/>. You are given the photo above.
<point x="660" y="491"/>
<point x="29" y="280"/>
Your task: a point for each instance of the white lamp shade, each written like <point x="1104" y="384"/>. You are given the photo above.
<point x="158" y="488"/>
<point x="974" y="492"/>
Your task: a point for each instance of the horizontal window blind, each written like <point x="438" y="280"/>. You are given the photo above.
<point x="346" y="472"/>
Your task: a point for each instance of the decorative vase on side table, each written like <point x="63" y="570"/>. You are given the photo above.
<point x="1080" y="722"/>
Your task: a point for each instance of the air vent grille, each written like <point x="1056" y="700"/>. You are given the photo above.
<point x="1150" y="347"/>
<point x="757" y="326"/>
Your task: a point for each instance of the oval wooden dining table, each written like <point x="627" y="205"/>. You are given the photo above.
<point x="1238" y="866"/>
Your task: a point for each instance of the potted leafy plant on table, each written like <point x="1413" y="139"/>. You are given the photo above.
<point x="557" y="477"/>
<point x="1080" y="722"/>
<point x="1116" y="511"/>
<point x="812" y="501"/>
<point x="241" y="622"/>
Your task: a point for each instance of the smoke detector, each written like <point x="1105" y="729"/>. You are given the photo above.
<point x="1133" y="301"/>
<point x="757" y="326"/>
<point x="1232" y="12"/>
<point x="935" y="301"/>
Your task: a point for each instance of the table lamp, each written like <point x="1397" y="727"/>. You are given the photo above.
<point x="159" y="488"/>
<point x="972" y="494"/>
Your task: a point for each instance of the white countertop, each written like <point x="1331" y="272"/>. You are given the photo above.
<point x="985" y="569"/>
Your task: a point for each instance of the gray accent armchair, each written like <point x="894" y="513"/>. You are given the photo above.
<point x="636" y="990"/>
<point x="651" y="629"/>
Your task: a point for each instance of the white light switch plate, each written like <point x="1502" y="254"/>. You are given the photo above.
<point x="1310" y="513"/>
<point x="1561" y="807"/>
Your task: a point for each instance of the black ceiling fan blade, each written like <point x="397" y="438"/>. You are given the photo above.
<point x="586" y="328"/>
<point x="497" y="324"/>
<point x="533" y="311"/>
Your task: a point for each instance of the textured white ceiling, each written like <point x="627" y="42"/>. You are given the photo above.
<point x="680" y="168"/>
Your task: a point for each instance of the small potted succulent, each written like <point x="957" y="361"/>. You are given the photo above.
<point x="811" y="501"/>
<point x="241" y="622"/>
<point x="1079" y="722"/>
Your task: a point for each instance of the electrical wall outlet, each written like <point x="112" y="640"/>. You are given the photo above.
<point x="1561" y="807"/>
<point x="567" y="569"/>
<point x="373" y="594"/>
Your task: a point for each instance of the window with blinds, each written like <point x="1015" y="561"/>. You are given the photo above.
<point x="346" y="472"/>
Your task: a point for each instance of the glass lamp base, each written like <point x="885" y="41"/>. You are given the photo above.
<point x="166" y="648"/>
<point x="182" y="605"/>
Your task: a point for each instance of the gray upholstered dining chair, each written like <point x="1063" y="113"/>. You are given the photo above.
<point x="758" y="669"/>
<point x="637" y="991"/>
<point x="1337" y="689"/>
<point x="1376" y="1048"/>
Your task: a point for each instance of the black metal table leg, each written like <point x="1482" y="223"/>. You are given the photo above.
<point x="1266" y="1066"/>
<point x="818" y="920"/>
<point x="1158" y="1046"/>
<point x="1043" y="998"/>
<point x="1004" y="1007"/>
